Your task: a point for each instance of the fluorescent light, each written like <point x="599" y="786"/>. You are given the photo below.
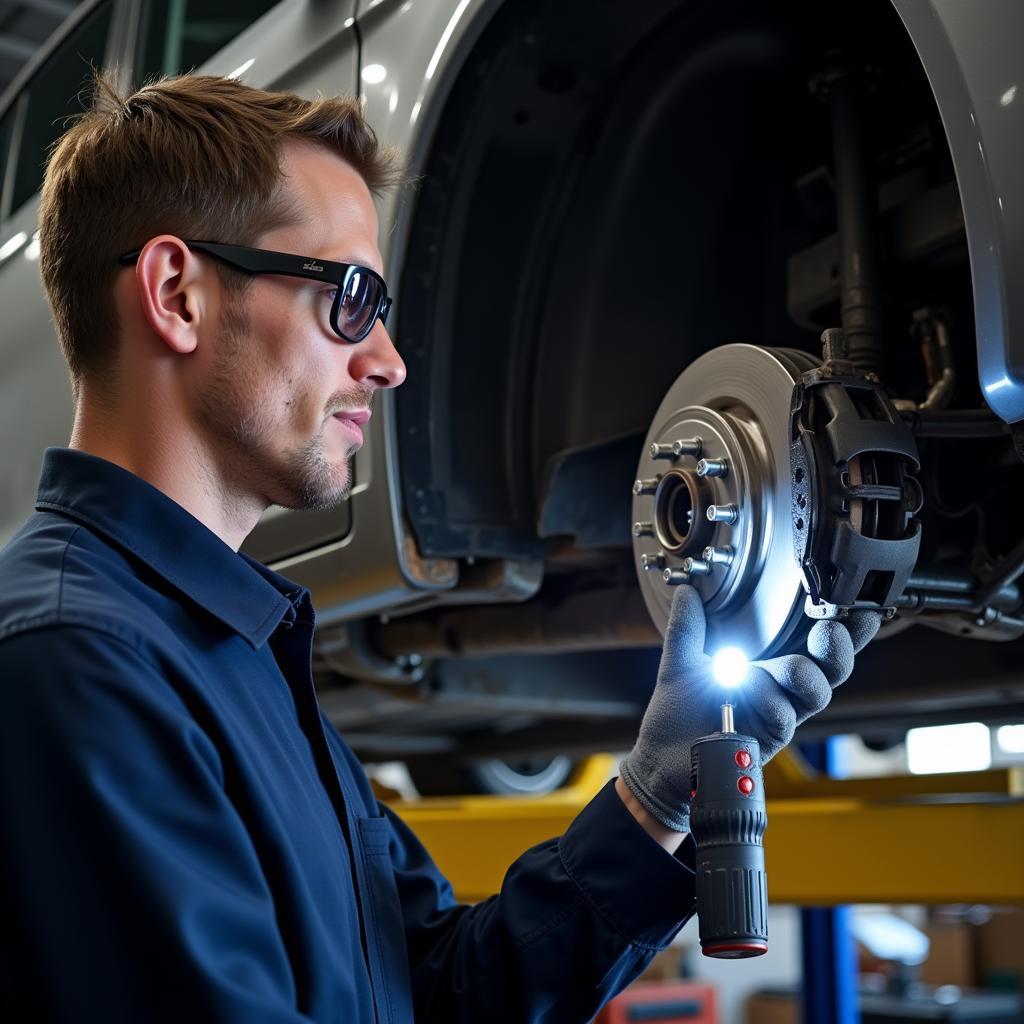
<point x="242" y="68"/>
<point x="12" y="245"/>
<point x="1011" y="738"/>
<point x="949" y="748"/>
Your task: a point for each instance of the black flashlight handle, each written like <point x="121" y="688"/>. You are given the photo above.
<point x="728" y="819"/>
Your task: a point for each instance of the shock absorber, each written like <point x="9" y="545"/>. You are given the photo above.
<point x="728" y="818"/>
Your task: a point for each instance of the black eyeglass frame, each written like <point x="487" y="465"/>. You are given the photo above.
<point x="266" y="261"/>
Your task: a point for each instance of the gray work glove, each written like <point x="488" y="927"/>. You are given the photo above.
<point x="776" y="697"/>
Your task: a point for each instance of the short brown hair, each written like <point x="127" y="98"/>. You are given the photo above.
<point x="192" y="155"/>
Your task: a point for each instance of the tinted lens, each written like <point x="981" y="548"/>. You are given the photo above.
<point x="360" y="300"/>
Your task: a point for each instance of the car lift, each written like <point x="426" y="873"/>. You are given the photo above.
<point x="904" y="839"/>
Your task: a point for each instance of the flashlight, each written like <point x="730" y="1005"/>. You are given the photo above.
<point x="728" y="818"/>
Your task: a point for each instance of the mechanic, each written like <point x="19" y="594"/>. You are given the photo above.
<point x="187" y="837"/>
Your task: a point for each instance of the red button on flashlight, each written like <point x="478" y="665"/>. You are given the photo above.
<point x="745" y="785"/>
<point x="743" y="758"/>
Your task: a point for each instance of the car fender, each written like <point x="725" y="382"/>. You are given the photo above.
<point x="972" y="57"/>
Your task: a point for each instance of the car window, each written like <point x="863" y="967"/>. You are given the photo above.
<point x="54" y="93"/>
<point x="179" y="35"/>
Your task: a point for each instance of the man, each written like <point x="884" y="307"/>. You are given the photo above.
<point x="187" y="836"/>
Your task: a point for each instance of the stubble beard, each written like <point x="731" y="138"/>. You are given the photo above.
<point x="241" y="428"/>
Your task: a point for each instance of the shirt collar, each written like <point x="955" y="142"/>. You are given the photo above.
<point x="244" y="594"/>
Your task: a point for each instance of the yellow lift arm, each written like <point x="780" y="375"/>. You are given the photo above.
<point x="956" y="838"/>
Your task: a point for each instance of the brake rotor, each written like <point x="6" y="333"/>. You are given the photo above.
<point x="711" y="503"/>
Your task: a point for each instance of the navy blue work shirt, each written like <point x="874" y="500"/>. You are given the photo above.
<point x="186" y="837"/>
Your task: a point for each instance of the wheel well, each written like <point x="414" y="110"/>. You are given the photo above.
<point x="606" y="199"/>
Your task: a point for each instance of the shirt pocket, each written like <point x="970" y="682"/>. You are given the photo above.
<point x="385" y="931"/>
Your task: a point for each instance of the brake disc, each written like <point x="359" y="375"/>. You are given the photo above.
<point x="712" y="499"/>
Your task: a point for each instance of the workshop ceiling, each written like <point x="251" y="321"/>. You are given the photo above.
<point x="24" y="26"/>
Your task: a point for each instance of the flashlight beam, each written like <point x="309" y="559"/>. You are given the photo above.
<point x="730" y="667"/>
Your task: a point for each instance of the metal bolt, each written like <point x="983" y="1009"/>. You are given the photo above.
<point x="712" y="467"/>
<point x="649" y="562"/>
<point x="723" y="514"/>
<point x="688" y="446"/>
<point x="673" y="577"/>
<point x="662" y="451"/>
<point x="648" y="486"/>
<point x="643" y="529"/>
<point x="718" y="556"/>
<point x="696" y="567"/>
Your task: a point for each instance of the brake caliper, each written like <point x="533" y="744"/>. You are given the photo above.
<point x="855" y="496"/>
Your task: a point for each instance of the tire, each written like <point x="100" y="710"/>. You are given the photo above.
<point x="493" y="775"/>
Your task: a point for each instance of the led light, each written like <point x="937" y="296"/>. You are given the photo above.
<point x="729" y="666"/>
<point x="949" y="748"/>
<point x="374" y="74"/>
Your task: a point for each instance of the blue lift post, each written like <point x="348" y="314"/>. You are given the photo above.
<point x="829" y="955"/>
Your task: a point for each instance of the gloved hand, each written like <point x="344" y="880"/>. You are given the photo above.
<point x="776" y="697"/>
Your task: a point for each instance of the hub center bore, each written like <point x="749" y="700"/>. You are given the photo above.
<point x="680" y="512"/>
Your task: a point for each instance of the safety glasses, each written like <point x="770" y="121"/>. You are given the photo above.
<point x="361" y="296"/>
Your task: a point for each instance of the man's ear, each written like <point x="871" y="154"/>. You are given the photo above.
<point x="173" y="291"/>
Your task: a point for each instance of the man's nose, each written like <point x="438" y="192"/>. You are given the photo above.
<point x="376" y="360"/>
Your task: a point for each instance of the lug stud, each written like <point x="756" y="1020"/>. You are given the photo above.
<point x="718" y="556"/>
<point x="688" y="446"/>
<point x="648" y="486"/>
<point x="712" y="467"/>
<point x="643" y="529"/>
<point x="696" y="567"/>
<point x="723" y="514"/>
<point x="673" y="577"/>
<point x="673" y="449"/>
<point x="652" y="562"/>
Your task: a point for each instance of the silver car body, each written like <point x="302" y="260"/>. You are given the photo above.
<point x="403" y="56"/>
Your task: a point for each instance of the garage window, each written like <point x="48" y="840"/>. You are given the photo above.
<point x="53" y="94"/>
<point x="180" y="35"/>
